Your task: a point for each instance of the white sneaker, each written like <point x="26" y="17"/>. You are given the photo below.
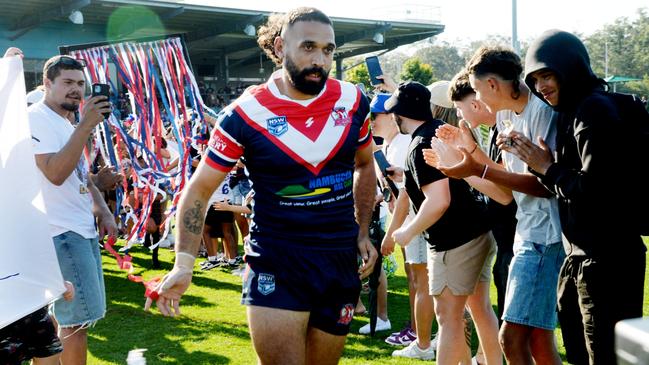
<point x="164" y="243"/>
<point x="413" y="351"/>
<point x="381" y="325"/>
<point x="433" y="342"/>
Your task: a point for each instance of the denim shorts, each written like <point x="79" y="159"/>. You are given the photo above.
<point x="531" y="297"/>
<point x="80" y="263"/>
<point x="417" y="250"/>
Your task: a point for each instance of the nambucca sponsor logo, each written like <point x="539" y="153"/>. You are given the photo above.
<point x="336" y="181"/>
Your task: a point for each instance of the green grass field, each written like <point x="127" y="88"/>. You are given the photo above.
<point x="212" y="328"/>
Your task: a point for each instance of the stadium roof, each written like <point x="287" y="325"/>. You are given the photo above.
<point x="211" y="32"/>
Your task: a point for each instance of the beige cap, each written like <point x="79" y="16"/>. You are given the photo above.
<point x="439" y="94"/>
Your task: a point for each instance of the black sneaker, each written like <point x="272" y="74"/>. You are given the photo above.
<point x="210" y="265"/>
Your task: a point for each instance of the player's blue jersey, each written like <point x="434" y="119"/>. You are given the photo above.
<point x="300" y="156"/>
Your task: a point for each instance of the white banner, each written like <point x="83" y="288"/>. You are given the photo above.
<point x="29" y="271"/>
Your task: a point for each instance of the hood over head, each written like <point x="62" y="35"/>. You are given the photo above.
<point x="565" y="55"/>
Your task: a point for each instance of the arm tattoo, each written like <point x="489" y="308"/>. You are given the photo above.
<point x="193" y="218"/>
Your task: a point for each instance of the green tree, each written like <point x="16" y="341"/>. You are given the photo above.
<point x="358" y="75"/>
<point x="444" y="58"/>
<point x="414" y="70"/>
<point x="392" y="62"/>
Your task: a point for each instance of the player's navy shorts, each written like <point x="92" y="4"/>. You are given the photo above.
<point x="29" y="337"/>
<point x="322" y="281"/>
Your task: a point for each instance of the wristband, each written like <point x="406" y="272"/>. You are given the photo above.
<point x="184" y="259"/>
<point x="484" y="172"/>
<point x="474" y="148"/>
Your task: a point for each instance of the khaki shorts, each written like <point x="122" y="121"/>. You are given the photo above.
<point x="461" y="268"/>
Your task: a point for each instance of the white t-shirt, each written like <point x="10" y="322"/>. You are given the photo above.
<point x="397" y="152"/>
<point x="69" y="206"/>
<point x="223" y="192"/>
<point x="538" y="218"/>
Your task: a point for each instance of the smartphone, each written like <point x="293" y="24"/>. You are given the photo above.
<point x="374" y="69"/>
<point x="382" y="162"/>
<point x="101" y="89"/>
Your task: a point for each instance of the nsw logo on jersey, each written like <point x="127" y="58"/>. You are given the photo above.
<point x="277" y="125"/>
<point x="340" y="116"/>
<point x="265" y="283"/>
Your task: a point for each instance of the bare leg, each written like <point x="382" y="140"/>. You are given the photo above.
<point x="412" y="289"/>
<point x="424" y="311"/>
<point x="382" y="298"/>
<point x="75" y="346"/>
<point x="211" y="245"/>
<point x="230" y="246"/>
<point x="360" y="307"/>
<point x="323" y="348"/>
<point x="515" y="342"/>
<point x="242" y="223"/>
<point x="486" y="323"/>
<point x="278" y="335"/>
<point x="451" y="343"/>
<point x="50" y="360"/>
<point x="544" y="347"/>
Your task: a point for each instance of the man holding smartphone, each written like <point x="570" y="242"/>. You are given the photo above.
<point x="71" y="199"/>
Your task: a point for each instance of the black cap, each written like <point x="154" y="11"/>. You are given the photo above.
<point x="411" y="100"/>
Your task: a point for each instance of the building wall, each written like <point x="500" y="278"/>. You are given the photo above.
<point x="42" y="42"/>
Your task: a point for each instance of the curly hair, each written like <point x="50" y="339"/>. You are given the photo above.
<point x="500" y="61"/>
<point x="278" y="23"/>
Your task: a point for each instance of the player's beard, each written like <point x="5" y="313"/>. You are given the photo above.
<point x="299" y="81"/>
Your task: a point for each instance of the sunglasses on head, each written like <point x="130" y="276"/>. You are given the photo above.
<point x="68" y="61"/>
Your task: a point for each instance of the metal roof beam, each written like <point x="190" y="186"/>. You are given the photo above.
<point x="31" y="20"/>
<point x="221" y="29"/>
<point x="388" y="44"/>
<point x="172" y="13"/>
<point x="363" y="34"/>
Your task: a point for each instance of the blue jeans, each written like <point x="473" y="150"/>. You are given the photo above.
<point x="80" y="263"/>
<point x="531" y="297"/>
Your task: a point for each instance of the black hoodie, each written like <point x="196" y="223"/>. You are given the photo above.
<point x="592" y="159"/>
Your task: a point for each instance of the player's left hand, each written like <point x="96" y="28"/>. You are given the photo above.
<point x="368" y="255"/>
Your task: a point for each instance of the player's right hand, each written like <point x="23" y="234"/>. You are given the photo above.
<point x="169" y="290"/>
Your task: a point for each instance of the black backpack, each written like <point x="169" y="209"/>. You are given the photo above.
<point x="634" y="115"/>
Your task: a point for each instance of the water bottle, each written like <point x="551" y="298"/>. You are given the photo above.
<point x="136" y="357"/>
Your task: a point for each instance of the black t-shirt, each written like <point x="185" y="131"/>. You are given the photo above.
<point x="502" y="217"/>
<point x="465" y="218"/>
